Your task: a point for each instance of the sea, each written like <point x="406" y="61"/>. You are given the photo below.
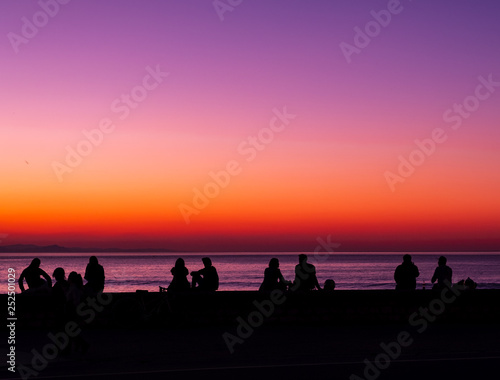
<point x="128" y="272"/>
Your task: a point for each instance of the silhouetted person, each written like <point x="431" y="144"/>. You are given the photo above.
<point x="206" y="278"/>
<point x="305" y="275"/>
<point x="273" y="279"/>
<point x="94" y="274"/>
<point x="59" y="290"/>
<point x="469" y="284"/>
<point x="406" y="274"/>
<point x="329" y="285"/>
<point x="32" y="275"/>
<point x="179" y="281"/>
<point x="74" y="294"/>
<point x="74" y="297"/>
<point x="60" y="287"/>
<point x="442" y="273"/>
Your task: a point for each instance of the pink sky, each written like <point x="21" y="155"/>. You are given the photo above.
<point x="323" y="172"/>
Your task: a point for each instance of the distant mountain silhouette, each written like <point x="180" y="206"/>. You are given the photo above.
<point x="30" y="248"/>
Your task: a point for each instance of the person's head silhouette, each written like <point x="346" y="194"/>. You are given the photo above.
<point x="35" y="263"/>
<point x="179" y="263"/>
<point x="442" y="260"/>
<point x="302" y="258"/>
<point x="207" y="262"/>
<point x="407" y="259"/>
<point x="93" y="260"/>
<point x="274" y="263"/>
<point x="75" y="278"/>
<point x="59" y="274"/>
<point x="329" y="285"/>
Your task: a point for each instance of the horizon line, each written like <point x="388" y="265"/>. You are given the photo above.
<point x="225" y="253"/>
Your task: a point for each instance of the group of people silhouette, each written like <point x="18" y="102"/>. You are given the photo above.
<point x="73" y="291"/>
<point x="67" y="295"/>
<point x="207" y="279"/>
<point x="406" y="274"/>
<point x="305" y="277"/>
<point x="39" y="281"/>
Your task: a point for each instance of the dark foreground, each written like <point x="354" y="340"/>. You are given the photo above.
<point x="225" y="336"/>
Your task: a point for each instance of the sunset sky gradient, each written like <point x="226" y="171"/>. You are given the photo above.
<point x="323" y="174"/>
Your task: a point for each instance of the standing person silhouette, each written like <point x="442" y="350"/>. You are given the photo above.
<point x="442" y="273"/>
<point x="32" y="275"/>
<point x="207" y="277"/>
<point x="179" y="281"/>
<point x="305" y="276"/>
<point x="406" y="274"/>
<point x="94" y="274"/>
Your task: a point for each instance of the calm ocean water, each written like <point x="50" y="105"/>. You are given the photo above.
<point x="129" y="272"/>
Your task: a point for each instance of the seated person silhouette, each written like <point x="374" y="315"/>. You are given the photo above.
<point x="179" y="281"/>
<point x="442" y="274"/>
<point x="207" y="277"/>
<point x="273" y="279"/>
<point x="406" y="274"/>
<point x="468" y="284"/>
<point x="59" y="291"/>
<point x="74" y="297"/>
<point x="75" y="293"/>
<point x="32" y="275"/>
<point x="305" y="276"/>
<point x="329" y="285"/>
<point x="60" y="287"/>
<point x="94" y="274"/>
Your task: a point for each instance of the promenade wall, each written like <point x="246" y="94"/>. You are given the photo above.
<point x="153" y="310"/>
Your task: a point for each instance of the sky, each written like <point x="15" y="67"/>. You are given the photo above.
<point x="250" y="125"/>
